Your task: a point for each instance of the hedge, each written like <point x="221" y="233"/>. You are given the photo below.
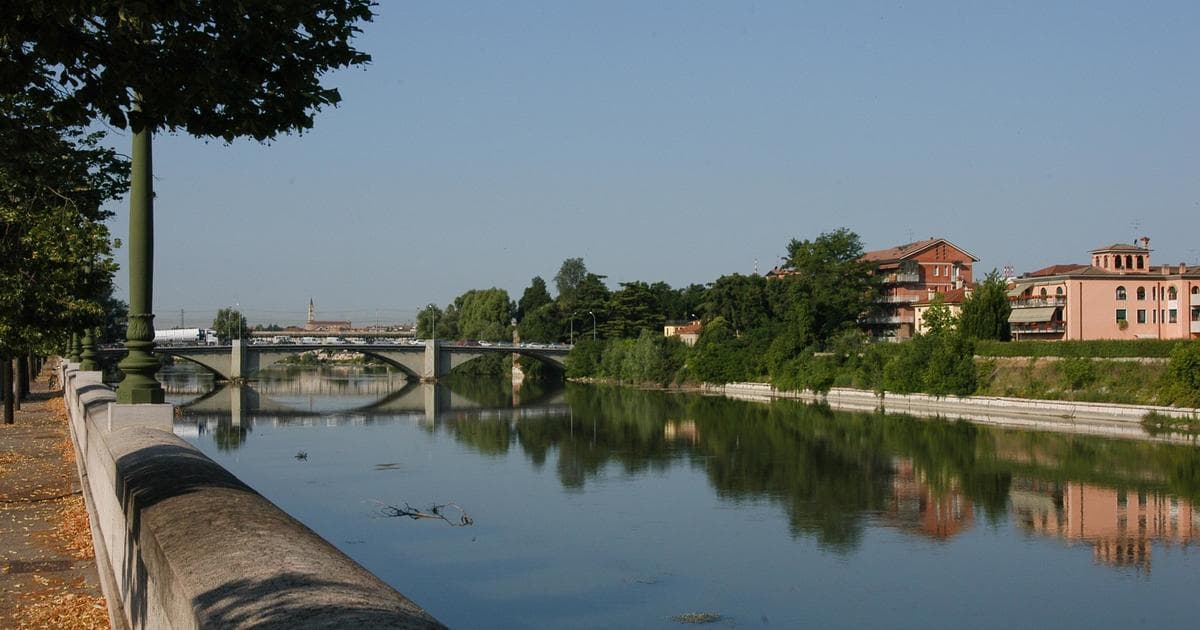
<point x="1095" y="349"/>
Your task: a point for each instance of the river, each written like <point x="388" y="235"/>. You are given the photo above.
<point x="603" y="507"/>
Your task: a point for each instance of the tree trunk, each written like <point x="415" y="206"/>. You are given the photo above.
<point x="23" y="375"/>
<point x="6" y="384"/>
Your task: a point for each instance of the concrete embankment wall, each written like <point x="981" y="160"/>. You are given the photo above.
<point x="182" y="543"/>
<point x="1054" y="415"/>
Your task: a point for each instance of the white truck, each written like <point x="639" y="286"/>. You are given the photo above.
<point x="186" y="337"/>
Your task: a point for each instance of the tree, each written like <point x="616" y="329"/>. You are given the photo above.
<point x="570" y="275"/>
<point x="742" y="301"/>
<point x="631" y="310"/>
<point x="985" y="311"/>
<point x="56" y="263"/>
<point x="534" y="297"/>
<point x="212" y="69"/>
<point x="939" y="318"/>
<point x="485" y="314"/>
<point x="230" y="324"/>
<point x="830" y="286"/>
<point x="543" y="324"/>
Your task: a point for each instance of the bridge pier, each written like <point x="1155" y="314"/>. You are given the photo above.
<point x="432" y="369"/>
<point x="237" y="360"/>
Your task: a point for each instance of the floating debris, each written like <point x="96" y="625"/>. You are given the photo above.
<point x="301" y="454"/>
<point x="433" y="512"/>
<point x="697" y="617"/>
<point x="391" y="466"/>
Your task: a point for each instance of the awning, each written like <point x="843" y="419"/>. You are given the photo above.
<point x="1019" y="288"/>
<point x="1031" y="315"/>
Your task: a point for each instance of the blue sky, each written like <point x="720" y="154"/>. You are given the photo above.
<point x="680" y="141"/>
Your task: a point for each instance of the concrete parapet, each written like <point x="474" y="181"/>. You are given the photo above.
<point x="1109" y="419"/>
<point x="182" y="543"/>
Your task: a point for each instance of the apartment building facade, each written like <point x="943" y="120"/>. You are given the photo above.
<point x="1119" y="295"/>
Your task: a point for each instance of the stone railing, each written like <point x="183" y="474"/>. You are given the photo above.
<point x="182" y="543"/>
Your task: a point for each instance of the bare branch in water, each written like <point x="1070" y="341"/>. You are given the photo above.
<point x="436" y="512"/>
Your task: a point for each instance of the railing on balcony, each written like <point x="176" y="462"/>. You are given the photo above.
<point x="1196" y="327"/>
<point x="902" y="277"/>
<point x="1039" y="328"/>
<point x="888" y="319"/>
<point x="898" y="299"/>
<point x="1058" y="300"/>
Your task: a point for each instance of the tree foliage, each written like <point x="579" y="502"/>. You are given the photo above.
<point x="485" y="314"/>
<point x="230" y="324"/>
<point x="212" y="69"/>
<point x="57" y="264"/>
<point x="985" y="311"/>
<point x="570" y="275"/>
<point x="534" y="297"/>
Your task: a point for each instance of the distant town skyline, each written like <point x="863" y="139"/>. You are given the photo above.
<point x="683" y="141"/>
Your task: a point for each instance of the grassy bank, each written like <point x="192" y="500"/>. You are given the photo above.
<point x="1084" y="380"/>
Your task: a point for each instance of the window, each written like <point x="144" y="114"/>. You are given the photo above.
<point x="1043" y="292"/>
<point x="1058" y="291"/>
<point x="1141" y="316"/>
<point x="1153" y="293"/>
<point x="1172" y="294"/>
<point x="1195" y="290"/>
<point x="937" y="270"/>
<point x="1128" y="261"/>
<point x="1121" y="315"/>
<point x="1153" y="316"/>
<point x="1141" y="293"/>
<point x="1196" y="313"/>
<point x="1117" y="259"/>
<point x="1121" y="293"/>
<point x="1172" y="315"/>
<point x="1141" y="262"/>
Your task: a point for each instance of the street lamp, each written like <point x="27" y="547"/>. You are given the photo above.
<point x="433" y="316"/>
<point x="572" y="329"/>
<point x="593" y="325"/>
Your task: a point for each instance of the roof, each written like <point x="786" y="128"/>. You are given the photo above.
<point x="688" y="329"/>
<point x="1056" y="270"/>
<point x="1123" y="248"/>
<point x="953" y="296"/>
<point x="907" y="250"/>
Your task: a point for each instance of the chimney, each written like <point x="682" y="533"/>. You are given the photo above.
<point x="1145" y="241"/>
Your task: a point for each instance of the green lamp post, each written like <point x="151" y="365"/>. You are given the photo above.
<point x="139" y="366"/>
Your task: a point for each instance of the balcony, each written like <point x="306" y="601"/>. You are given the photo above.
<point x="1196" y="327"/>
<point x="898" y="299"/>
<point x="902" y="277"/>
<point x="1058" y="300"/>
<point x="1039" y="328"/>
<point x="888" y="319"/>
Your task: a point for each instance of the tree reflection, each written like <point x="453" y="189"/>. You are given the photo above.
<point x="831" y="472"/>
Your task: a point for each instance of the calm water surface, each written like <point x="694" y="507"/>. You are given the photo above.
<point x="600" y="507"/>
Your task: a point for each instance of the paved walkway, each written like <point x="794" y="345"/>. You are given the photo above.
<point x="48" y="573"/>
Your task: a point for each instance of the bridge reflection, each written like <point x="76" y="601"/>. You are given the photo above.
<point x="312" y="398"/>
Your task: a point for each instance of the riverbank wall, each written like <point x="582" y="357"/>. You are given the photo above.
<point x="182" y="543"/>
<point x="1047" y="415"/>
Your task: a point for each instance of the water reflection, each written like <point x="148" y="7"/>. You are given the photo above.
<point x="833" y="475"/>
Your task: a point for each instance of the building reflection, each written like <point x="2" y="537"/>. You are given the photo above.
<point x="1121" y="526"/>
<point x="916" y="506"/>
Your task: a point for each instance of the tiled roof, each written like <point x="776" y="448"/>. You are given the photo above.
<point x="909" y="249"/>
<point x="1121" y="247"/>
<point x="1056" y="270"/>
<point x="953" y="296"/>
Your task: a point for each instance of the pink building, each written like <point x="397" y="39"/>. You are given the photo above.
<point x="1120" y="295"/>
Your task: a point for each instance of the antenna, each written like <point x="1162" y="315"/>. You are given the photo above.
<point x="756" y="266"/>
<point x="181" y="318"/>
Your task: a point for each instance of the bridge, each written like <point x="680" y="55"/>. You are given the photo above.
<point x="428" y="361"/>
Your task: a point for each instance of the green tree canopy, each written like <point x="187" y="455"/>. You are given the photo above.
<point x="534" y="297"/>
<point x="985" y="311"/>
<point x="633" y="309"/>
<point x="230" y="324"/>
<point x="485" y="314"/>
<point x="56" y="264"/>
<point x="829" y="288"/>
<point x="570" y="275"/>
<point x="213" y="69"/>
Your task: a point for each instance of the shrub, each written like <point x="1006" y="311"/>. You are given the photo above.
<point x="1182" y="383"/>
<point x="1078" y="372"/>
